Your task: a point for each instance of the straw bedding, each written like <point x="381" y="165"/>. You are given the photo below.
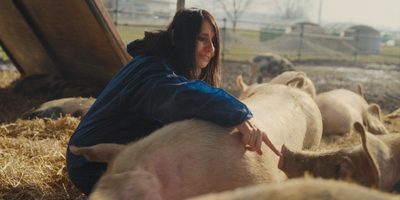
<point x="32" y="152"/>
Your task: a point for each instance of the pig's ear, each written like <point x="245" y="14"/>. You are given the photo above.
<point x="373" y="120"/>
<point x="297" y="81"/>
<point x="379" y="157"/>
<point x="360" y="89"/>
<point x="395" y="114"/>
<point x="239" y="81"/>
<point x="98" y="153"/>
<point x="301" y="73"/>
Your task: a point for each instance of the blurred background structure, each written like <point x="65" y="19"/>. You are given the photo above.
<point x="284" y="28"/>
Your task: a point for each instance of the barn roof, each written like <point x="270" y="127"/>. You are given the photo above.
<point x="76" y="39"/>
<point x="338" y="28"/>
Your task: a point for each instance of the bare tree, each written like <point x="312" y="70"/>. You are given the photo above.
<point x="233" y="8"/>
<point x="290" y="9"/>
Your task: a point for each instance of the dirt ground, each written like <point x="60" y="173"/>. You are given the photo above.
<point x="381" y="82"/>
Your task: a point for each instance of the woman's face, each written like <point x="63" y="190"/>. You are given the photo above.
<point x="205" y="45"/>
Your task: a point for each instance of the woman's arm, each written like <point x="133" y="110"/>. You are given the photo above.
<point x="156" y="92"/>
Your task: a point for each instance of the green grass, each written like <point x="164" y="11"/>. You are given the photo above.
<point x="246" y="53"/>
<point x="388" y="50"/>
<point x="3" y="55"/>
<point x="130" y="33"/>
<point x="251" y="36"/>
<point x="240" y="53"/>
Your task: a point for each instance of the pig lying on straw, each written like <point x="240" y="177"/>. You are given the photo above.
<point x="75" y="106"/>
<point x="340" y="109"/>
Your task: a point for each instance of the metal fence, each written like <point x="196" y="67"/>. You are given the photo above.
<point x="243" y="39"/>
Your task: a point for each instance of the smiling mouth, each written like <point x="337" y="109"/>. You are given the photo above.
<point x="205" y="57"/>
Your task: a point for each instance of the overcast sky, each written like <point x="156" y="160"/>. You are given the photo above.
<point x="380" y="14"/>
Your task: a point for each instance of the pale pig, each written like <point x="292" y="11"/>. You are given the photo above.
<point x="340" y="109"/>
<point x="76" y="107"/>
<point x="283" y="78"/>
<point x="193" y="157"/>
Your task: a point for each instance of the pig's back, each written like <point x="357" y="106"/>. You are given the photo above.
<point x="288" y="115"/>
<point x="201" y="157"/>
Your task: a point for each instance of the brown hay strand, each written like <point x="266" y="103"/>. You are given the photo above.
<point x="336" y="142"/>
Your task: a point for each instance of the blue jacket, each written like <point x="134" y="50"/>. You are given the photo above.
<point x="146" y="94"/>
<point x="142" y="97"/>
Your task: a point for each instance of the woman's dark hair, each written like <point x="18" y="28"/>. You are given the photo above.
<point x="180" y="51"/>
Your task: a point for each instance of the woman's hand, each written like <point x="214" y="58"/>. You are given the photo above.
<point x="253" y="137"/>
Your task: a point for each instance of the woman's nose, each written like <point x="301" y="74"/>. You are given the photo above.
<point x="210" y="46"/>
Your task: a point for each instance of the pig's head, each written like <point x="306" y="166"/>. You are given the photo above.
<point x="247" y="91"/>
<point x="370" y="164"/>
<point x="283" y="78"/>
<point x="373" y="120"/>
<point x="135" y="183"/>
<point x="333" y="164"/>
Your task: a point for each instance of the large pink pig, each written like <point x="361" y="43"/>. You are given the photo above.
<point x="374" y="163"/>
<point x="300" y="189"/>
<point x="194" y="157"/>
<point x="340" y="109"/>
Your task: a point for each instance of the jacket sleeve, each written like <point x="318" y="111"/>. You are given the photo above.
<point x="167" y="97"/>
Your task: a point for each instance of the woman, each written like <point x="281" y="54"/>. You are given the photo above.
<point x="161" y="85"/>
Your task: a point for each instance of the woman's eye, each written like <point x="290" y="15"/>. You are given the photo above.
<point x="200" y="38"/>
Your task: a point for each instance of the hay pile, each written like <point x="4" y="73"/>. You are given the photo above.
<point x="32" y="152"/>
<point x="32" y="159"/>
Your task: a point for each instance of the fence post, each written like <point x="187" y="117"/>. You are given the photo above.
<point x="180" y="4"/>
<point x="116" y="13"/>
<point x="301" y="41"/>
<point x="356" y="49"/>
<point x="223" y="41"/>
